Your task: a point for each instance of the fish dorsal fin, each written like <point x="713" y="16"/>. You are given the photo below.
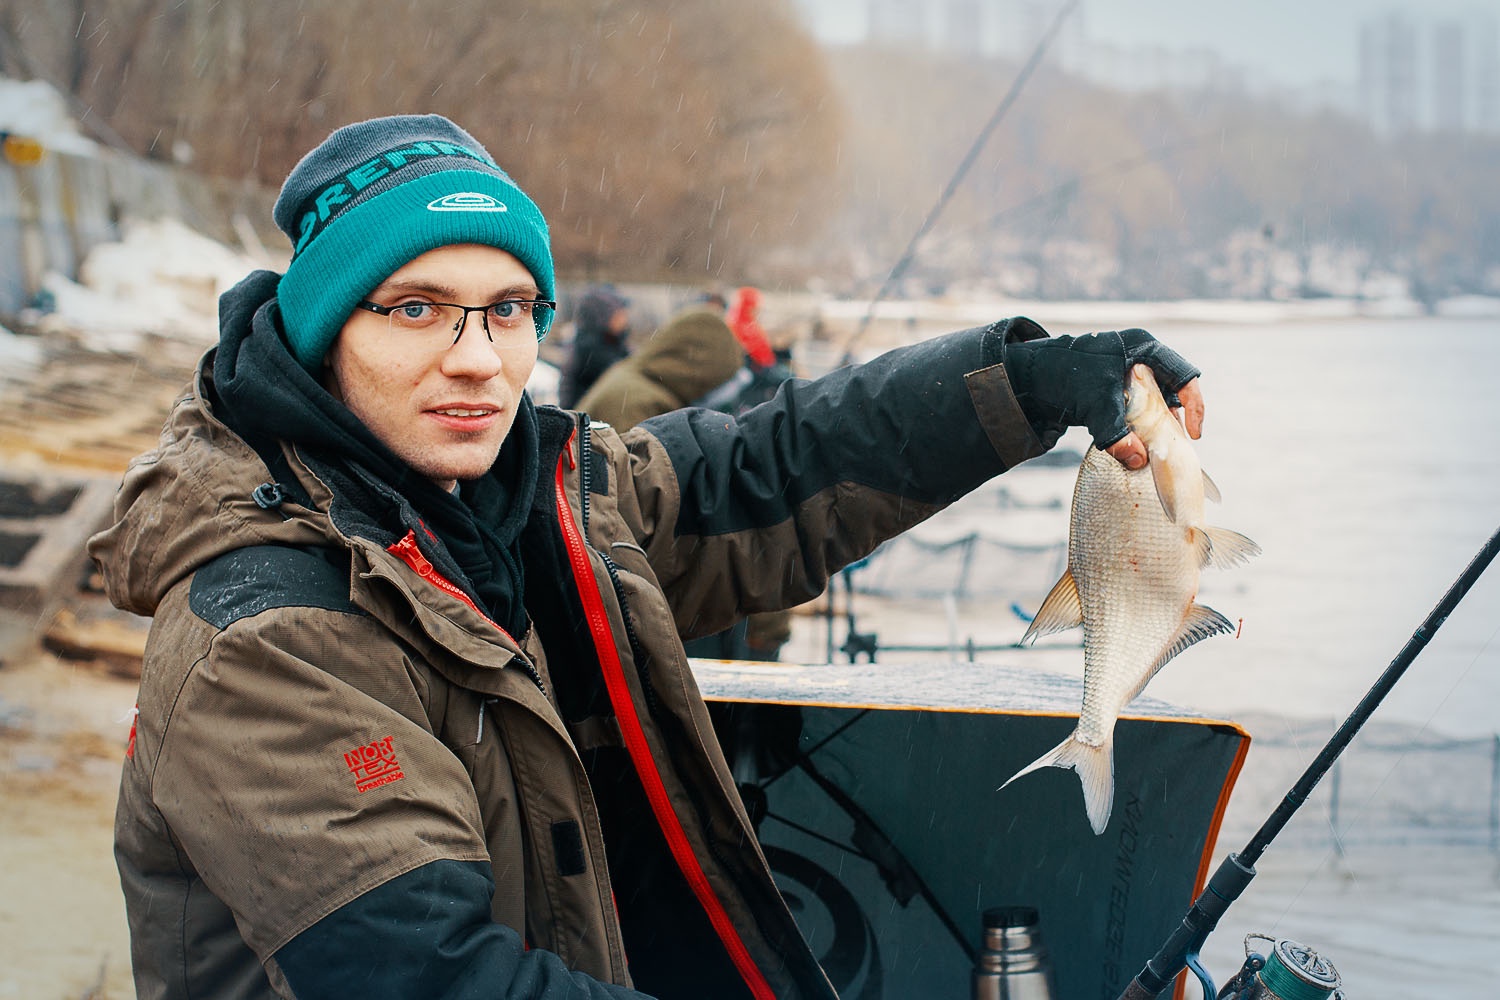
<point x="1211" y="490"/>
<point x="1166" y="487"/>
<point x="1059" y="612"/>
<point x="1200" y="623"/>
<point x="1224" y="549"/>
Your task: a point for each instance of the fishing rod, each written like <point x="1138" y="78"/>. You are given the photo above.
<point x="1232" y="877"/>
<point x="909" y="254"/>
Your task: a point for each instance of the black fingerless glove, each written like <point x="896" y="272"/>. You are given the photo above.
<point x="1062" y="382"/>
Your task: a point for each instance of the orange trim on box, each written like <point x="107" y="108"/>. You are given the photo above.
<point x="1206" y="863"/>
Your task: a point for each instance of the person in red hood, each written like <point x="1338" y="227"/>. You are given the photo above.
<point x="743" y="320"/>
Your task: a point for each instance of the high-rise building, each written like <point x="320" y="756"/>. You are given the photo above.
<point x="1022" y="24"/>
<point x="963" y="28"/>
<point x="899" y="22"/>
<point x="1450" y="74"/>
<point x="1486" y="48"/>
<point x="1388" y="72"/>
<point x="1430" y="73"/>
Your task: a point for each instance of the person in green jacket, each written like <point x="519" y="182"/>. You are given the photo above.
<point x="414" y="715"/>
<point x="692" y="353"/>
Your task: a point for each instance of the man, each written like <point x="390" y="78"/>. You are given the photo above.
<point x="414" y="717"/>
<point x="601" y="331"/>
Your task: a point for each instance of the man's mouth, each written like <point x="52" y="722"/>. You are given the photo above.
<point x="454" y="411"/>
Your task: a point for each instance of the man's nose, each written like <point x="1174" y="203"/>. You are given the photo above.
<point x="471" y="354"/>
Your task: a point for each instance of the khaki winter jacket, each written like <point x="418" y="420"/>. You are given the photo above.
<point x="692" y="354"/>
<point x="327" y="729"/>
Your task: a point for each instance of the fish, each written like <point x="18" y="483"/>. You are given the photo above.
<point x="1137" y="540"/>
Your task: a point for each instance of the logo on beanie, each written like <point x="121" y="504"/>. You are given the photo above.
<point x="391" y="168"/>
<point x="465" y="201"/>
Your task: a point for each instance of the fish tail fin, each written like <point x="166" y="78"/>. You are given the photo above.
<point x="1095" y="767"/>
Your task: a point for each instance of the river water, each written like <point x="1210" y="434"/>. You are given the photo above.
<point x="1361" y="455"/>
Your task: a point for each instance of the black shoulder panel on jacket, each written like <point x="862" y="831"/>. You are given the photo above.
<point x="257" y="578"/>
<point x="902" y="423"/>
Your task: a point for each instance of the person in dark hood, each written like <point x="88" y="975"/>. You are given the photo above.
<point x="414" y="715"/>
<point x="601" y="332"/>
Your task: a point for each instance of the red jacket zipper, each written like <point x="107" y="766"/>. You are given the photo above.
<point x="638" y="748"/>
<point x="407" y="551"/>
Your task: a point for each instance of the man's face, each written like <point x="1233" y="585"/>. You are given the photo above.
<point x="443" y="407"/>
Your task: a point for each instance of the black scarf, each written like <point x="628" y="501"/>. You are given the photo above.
<point x="265" y="396"/>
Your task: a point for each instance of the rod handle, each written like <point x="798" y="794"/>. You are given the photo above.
<point x="1135" y="991"/>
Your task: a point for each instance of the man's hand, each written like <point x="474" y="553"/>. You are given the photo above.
<point x="1131" y="451"/>
<point x="1063" y="382"/>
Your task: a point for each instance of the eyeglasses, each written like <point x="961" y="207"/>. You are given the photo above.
<point x="506" y="317"/>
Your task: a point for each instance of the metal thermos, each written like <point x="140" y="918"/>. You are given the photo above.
<point x="1012" y="962"/>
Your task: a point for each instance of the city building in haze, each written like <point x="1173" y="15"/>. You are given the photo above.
<point x="1417" y="69"/>
<point x="1419" y="73"/>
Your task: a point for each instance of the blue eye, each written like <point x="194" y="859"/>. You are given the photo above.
<point x="415" y="313"/>
<point x="511" y="314"/>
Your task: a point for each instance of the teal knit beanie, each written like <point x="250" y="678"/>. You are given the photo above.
<point x="379" y="193"/>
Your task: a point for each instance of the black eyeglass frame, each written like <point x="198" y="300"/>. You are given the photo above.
<point x="483" y="311"/>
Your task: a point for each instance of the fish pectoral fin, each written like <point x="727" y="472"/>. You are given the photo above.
<point x="1199" y="623"/>
<point x="1203" y="545"/>
<point x="1225" y="549"/>
<point x="1059" y="612"/>
<point x="1166" y="488"/>
<point x="1211" y="490"/>
<point x="1095" y="767"/>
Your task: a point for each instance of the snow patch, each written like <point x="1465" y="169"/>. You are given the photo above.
<point x="162" y="278"/>
<point x="37" y="110"/>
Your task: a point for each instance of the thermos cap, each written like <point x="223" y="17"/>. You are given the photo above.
<point x="1010" y="916"/>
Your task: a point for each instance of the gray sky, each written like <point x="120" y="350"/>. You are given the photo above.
<point x="1292" y="41"/>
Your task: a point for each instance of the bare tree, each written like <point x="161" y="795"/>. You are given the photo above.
<point x="1163" y="183"/>
<point x="661" y="138"/>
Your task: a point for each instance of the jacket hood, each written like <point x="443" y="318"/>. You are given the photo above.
<point x="187" y="502"/>
<point x="692" y="354"/>
<point x="222" y="477"/>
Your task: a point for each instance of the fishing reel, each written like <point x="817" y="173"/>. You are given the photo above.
<point x="1290" y="972"/>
